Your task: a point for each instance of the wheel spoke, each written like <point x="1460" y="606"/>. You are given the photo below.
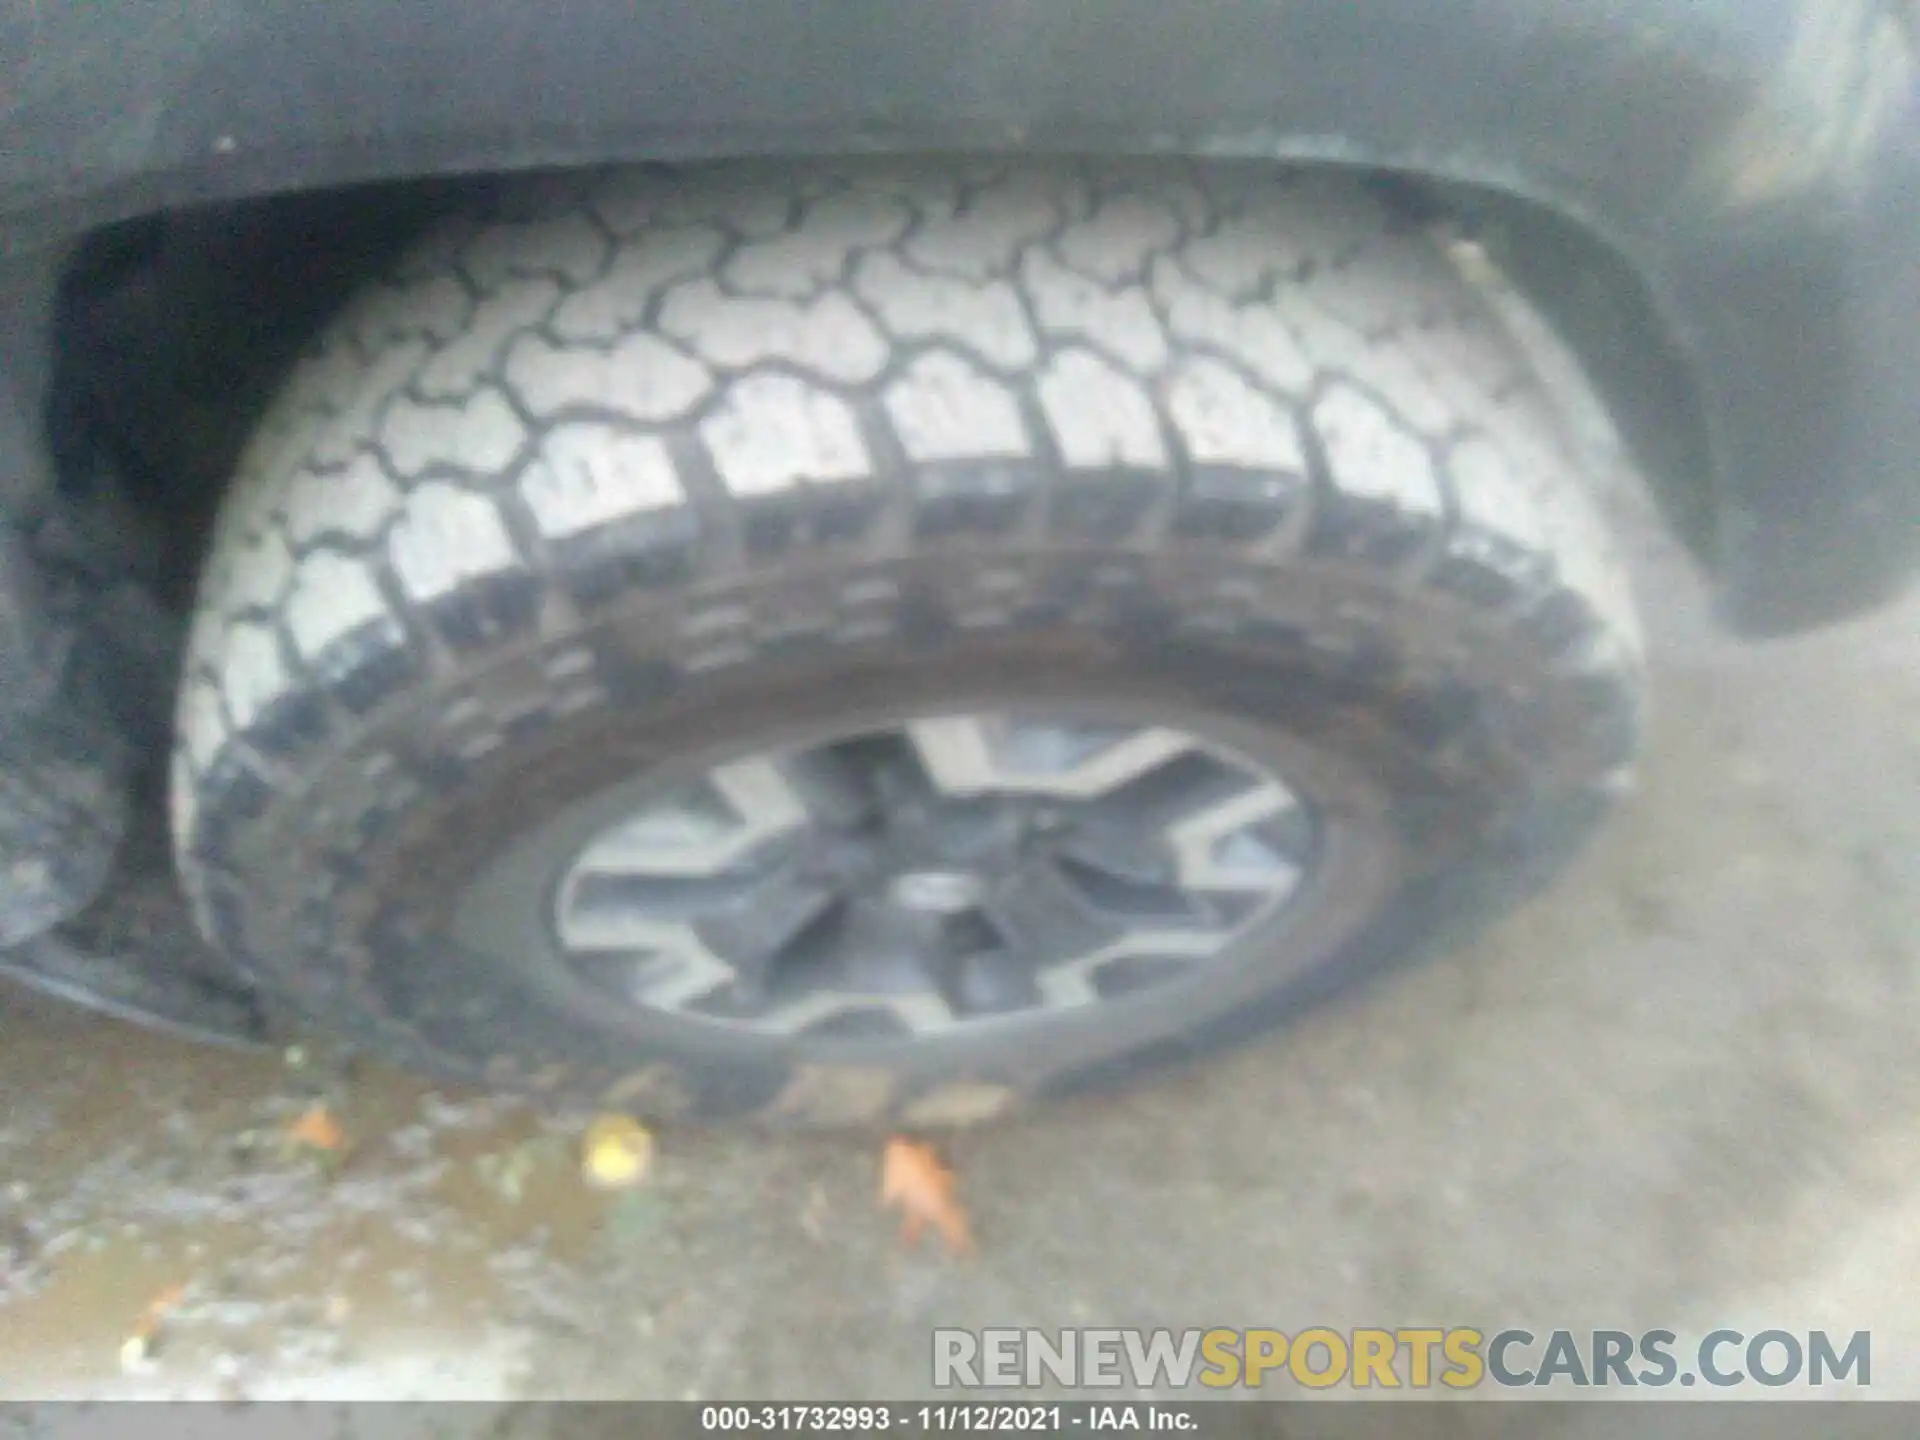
<point x="1039" y="912"/>
<point x="706" y="832"/>
<point x="622" y="916"/>
<point x="1107" y="767"/>
<point x="957" y="753"/>
<point x="913" y="880"/>
<point x="767" y="920"/>
<point x="1125" y="852"/>
<point x="1073" y="982"/>
<point x="920" y="1012"/>
<point x="690" y="835"/>
<point x="973" y="755"/>
<point x="679" y="971"/>
<point x="1214" y="849"/>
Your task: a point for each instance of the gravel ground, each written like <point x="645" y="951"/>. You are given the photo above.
<point x="1680" y="1091"/>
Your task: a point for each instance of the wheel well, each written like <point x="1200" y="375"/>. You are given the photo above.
<point x="174" y="330"/>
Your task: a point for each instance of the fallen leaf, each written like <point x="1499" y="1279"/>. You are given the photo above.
<point x="139" y="1348"/>
<point x="316" y="1129"/>
<point x="161" y="1306"/>
<point x="913" y="1178"/>
<point x="615" y="1153"/>
<point x="136" y="1355"/>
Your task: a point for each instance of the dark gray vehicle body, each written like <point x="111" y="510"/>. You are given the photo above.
<point x="1717" y="200"/>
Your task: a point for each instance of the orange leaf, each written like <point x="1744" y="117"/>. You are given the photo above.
<point x="137" y="1351"/>
<point x="913" y="1178"/>
<point x="158" y="1308"/>
<point x="318" y="1130"/>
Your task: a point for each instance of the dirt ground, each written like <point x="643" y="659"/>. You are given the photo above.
<point x="1683" y="1090"/>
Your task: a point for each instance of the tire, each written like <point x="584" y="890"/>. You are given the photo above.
<point x="642" y="469"/>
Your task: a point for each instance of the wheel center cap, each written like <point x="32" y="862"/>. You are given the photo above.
<point x="937" y="892"/>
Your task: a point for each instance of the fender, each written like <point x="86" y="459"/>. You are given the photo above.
<point x="1755" y="162"/>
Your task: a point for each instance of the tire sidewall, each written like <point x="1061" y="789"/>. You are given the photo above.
<point x="362" y="862"/>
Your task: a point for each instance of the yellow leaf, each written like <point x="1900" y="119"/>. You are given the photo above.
<point x="615" y="1153"/>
